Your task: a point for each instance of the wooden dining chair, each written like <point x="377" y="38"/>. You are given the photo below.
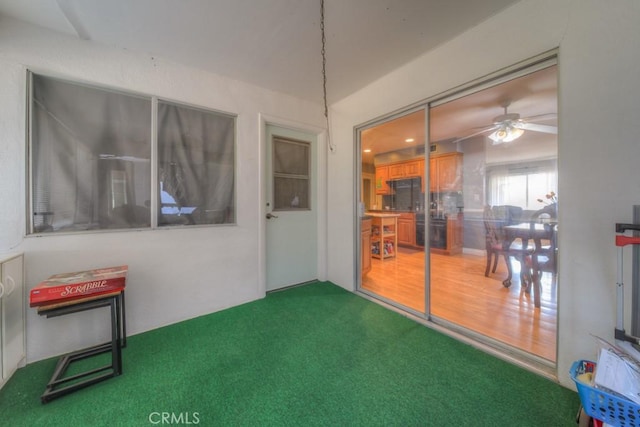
<point x="497" y="244"/>
<point x="545" y="255"/>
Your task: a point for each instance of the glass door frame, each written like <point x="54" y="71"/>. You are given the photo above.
<point x="494" y="346"/>
<point x="359" y="208"/>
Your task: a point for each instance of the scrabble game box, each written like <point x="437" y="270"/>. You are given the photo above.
<point x="81" y="284"/>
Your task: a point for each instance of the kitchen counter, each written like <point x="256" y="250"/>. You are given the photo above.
<point x="383" y="214"/>
<point x="408" y="229"/>
<point x="396" y="211"/>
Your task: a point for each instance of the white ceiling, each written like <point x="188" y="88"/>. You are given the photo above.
<point x="275" y="44"/>
<point x="531" y="96"/>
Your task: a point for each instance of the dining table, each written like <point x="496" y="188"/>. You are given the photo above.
<point x="538" y="232"/>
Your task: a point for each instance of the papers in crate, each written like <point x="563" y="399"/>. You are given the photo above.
<point x="80" y="284"/>
<point x="618" y="373"/>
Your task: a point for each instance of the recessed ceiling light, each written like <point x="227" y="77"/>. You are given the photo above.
<point x="409" y="140"/>
<point x="368" y="150"/>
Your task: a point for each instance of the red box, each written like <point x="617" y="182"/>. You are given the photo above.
<point x="81" y="284"/>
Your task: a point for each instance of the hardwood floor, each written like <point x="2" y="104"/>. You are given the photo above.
<point x="461" y="294"/>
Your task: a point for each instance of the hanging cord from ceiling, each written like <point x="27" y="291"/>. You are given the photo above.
<point x="332" y="147"/>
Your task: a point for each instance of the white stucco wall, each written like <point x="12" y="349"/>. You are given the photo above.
<point x="174" y="274"/>
<point x="599" y="107"/>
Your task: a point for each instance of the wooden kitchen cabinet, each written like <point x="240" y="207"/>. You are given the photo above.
<point x="12" y="316"/>
<point x="410" y="169"/>
<point x="433" y="175"/>
<point x="382" y="178"/>
<point x="420" y="166"/>
<point x="406" y="229"/>
<point x="396" y="171"/>
<point x="365" y="246"/>
<point x="454" y="232"/>
<point x="450" y="172"/>
<point x="445" y="173"/>
<point x="423" y="181"/>
<point x="401" y="170"/>
<point x="413" y="169"/>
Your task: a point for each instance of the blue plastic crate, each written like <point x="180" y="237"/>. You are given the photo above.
<point x="604" y="406"/>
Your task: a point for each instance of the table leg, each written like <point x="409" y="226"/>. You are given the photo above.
<point x="536" y="286"/>
<point x="59" y="385"/>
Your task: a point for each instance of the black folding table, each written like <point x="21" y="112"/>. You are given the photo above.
<point x="59" y="385"/>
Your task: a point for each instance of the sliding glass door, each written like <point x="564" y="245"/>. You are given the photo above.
<point x="459" y="222"/>
<point x="494" y="271"/>
<point x="392" y="189"/>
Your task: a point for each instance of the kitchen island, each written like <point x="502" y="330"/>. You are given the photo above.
<point x="445" y="233"/>
<point x="384" y="237"/>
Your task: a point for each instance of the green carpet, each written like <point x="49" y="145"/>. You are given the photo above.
<point x="311" y="355"/>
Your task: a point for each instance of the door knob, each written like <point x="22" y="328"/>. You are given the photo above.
<point x="270" y="215"/>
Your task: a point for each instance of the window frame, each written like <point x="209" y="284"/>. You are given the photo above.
<point x="154" y="157"/>
<point x="306" y="177"/>
<point x="155" y="164"/>
<point x="525" y="169"/>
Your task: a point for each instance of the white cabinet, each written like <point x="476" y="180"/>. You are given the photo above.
<point x="12" y="316"/>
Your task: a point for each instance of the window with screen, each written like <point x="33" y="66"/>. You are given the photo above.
<point x="291" y="180"/>
<point x="195" y="166"/>
<point x="91" y="162"/>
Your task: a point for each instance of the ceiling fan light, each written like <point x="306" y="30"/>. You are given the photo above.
<point x="514" y="133"/>
<point x="501" y="134"/>
<point x="506" y="134"/>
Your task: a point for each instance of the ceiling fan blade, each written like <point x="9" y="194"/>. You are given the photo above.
<point x="485" y="130"/>
<point x="540" y="117"/>
<point x="539" y="128"/>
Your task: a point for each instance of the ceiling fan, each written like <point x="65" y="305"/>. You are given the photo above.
<point x="509" y="126"/>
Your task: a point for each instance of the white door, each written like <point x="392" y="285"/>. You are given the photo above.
<point x="292" y="208"/>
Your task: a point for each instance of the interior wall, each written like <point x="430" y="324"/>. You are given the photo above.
<point x="598" y="148"/>
<point x="174" y="274"/>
